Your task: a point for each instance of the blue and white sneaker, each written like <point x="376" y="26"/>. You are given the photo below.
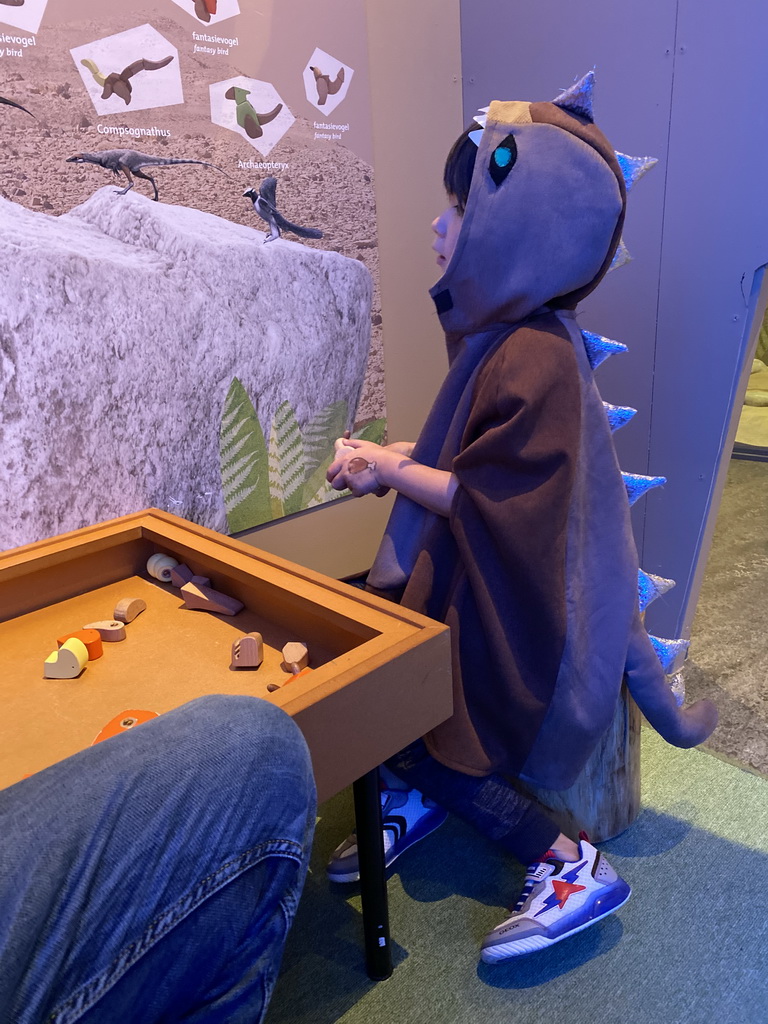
<point x="558" y="899"/>
<point x="407" y="817"/>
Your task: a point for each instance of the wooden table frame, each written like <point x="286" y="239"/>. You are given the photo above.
<point x="381" y="673"/>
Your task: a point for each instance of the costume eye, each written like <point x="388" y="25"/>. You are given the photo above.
<point x="503" y="159"/>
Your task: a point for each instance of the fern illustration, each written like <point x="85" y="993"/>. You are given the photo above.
<point x="243" y="454"/>
<point x="286" y="463"/>
<point x="264" y="481"/>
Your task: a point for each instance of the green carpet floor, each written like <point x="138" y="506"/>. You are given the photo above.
<point x="690" y="947"/>
<point x="729" y="655"/>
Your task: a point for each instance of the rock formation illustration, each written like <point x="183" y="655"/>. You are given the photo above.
<point x="123" y="324"/>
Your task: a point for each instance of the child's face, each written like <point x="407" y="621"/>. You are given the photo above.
<point x="446" y="227"/>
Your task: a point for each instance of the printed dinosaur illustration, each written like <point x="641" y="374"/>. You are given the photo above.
<point x="12" y="103"/>
<point x="247" y="117"/>
<point x="326" y="87"/>
<point x="118" y="82"/>
<point x="205" y="8"/>
<point x="131" y="164"/>
<point x="265" y="204"/>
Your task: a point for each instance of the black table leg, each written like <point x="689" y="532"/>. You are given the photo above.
<point x="373" y="883"/>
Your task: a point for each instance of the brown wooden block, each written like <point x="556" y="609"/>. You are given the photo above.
<point x="67" y="662"/>
<point x="295" y="656"/>
<point x="201" y="598"/>
<point x="181" y="574"/>
<point x="110" y="630"/>
<point x="128" y="608"/>
<point x="248" y="651"/>
<point x="90" y="637"/>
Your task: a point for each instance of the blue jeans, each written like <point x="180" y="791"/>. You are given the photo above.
<point x="490" y="803"/>
<point x="154" y="877"/>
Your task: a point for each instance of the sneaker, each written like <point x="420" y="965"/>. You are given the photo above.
<point x="558" y="900"/>
<point x="406" y="817"/>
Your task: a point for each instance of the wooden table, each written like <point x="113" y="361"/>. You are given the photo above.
<point x="381" y="673"/>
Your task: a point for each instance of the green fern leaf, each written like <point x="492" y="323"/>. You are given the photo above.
<point x="374" y="431"/>
<point x="286" y="462"/>
<point x="243" y="462"/>
<point x="320" y="433"/>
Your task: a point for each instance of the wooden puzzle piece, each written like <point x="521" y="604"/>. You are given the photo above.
<point x="201" y="581"/>
<point x="202" y="598"/>
<point x="248" y="651"/>
<point x="295" y="656"/>
<point x="67" y="662"/>
<point x="123" y="722"/>
<point x="181" y="574"/>
<point x="128" y="608"/>
<point x="160" y="566"/>
<point x="110" y="630"/>
<point x="90" y="637"/>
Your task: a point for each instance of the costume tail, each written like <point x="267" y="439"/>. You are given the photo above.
<point x="682" y="727"/>
<point x="285" y="225"/>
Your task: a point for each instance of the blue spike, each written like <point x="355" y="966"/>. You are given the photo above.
<point x="650" y="587"/>
<point x="667" y="651"/>
<point x="578" y="99"/>
<point x="621" y="257"/>
<point x="599" y="348"/>
<point x="637" y="485"/>
<point x="634" y="167"/>
<point x="618" y="415"/>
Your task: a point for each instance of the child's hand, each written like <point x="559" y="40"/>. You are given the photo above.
<point x="355" y="467"/>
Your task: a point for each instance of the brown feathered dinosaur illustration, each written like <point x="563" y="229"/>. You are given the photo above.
<point x="118" y="82"/>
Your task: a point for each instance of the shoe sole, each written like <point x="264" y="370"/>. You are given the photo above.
<point x="521" y="947"/>
<point x="420" y="831"/>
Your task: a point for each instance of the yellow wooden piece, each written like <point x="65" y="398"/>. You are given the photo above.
<point x="67" y="662"/>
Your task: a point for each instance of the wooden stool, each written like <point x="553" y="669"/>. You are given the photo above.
<point x="605" y="799"/>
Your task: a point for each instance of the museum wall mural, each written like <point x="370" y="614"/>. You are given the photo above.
<point x="189" y="313"/>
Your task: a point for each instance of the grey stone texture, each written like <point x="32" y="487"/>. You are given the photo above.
<point x="122" y="325"/>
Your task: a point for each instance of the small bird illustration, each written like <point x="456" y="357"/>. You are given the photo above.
<point x="265" y="204"/>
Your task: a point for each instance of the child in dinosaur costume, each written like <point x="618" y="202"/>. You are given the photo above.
<point x="512" y="520"/>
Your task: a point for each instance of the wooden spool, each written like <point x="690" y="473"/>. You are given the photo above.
<point x="605" y="799"/>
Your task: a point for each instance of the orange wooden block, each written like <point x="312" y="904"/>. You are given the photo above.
<point x="123" y="722"/>
<point x="295" y="675"/>
<point x="90" y="637"/>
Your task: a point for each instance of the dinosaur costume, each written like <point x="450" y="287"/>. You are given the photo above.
<point x="535" y="569"/>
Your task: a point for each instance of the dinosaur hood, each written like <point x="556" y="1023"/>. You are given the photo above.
<point x="542" y="221"/>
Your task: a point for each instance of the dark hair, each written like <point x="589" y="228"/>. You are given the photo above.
<point x="459" y="166"/>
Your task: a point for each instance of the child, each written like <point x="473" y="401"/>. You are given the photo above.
<point x="512" y="520"/>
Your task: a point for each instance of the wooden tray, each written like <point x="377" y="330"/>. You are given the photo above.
<point x="381" y="673"/>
